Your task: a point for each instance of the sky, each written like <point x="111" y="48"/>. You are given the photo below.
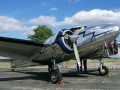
<point x="18" y="18"/>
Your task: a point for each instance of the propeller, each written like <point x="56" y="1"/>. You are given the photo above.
<point x="115" y="46"/>
<point x="106" y="47"/>
<point x="74" y="39"/>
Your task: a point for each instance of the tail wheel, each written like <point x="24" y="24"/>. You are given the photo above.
<point x="105" y="71"/>
<point x="55" y="76"/>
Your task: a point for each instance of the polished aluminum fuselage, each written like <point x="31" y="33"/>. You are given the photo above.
<point x="90" y="44"/>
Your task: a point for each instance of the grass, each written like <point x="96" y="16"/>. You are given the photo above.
<point x="5" y="64"/>
<point x="105" y="60"/>
<point x="73" y="62"/>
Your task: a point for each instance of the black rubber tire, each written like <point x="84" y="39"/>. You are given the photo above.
<point x="55" y="76"/>
<point x="105" y="69"/>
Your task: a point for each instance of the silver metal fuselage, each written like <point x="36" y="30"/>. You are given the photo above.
<point x="90" y="43"/>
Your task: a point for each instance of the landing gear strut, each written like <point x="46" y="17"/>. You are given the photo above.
<point x="55" y="75"/>
<point x="103" y="70"/>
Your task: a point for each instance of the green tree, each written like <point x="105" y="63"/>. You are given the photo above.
<point x="42" y="32"/>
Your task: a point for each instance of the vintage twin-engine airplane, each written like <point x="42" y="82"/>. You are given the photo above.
<point x="80" y="42"/>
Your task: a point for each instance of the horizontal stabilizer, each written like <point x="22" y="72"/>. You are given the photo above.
<point x="6" y="60"/>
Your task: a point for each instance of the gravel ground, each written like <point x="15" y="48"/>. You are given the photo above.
<point x="38" y="79"/>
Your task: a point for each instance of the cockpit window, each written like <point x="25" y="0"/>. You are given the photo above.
<point x="76" y="28"/>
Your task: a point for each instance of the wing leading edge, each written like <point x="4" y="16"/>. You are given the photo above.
<point x="18" y="48"/>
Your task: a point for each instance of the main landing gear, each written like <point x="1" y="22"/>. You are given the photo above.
<point x="54" y="71"/>
<point x="103" y="70"/>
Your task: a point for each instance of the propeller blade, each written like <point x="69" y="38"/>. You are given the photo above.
<point x="74" y="39"/>
<point x="56" y="27"/>
<point x="106" y="47"/>
<point x="59" y="29"/>
<point x="80" y="30"/>
<point x="76" y="54"/>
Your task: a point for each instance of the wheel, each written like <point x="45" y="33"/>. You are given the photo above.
<point x="55" y="76"/>
<point x="105" y="71"/>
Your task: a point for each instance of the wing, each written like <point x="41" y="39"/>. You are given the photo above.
<point x="18" y="48"/>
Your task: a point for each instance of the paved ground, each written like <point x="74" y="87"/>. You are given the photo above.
<point x="38" y="79"/>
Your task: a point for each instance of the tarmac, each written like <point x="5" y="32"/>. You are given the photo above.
<point x="38" y="79"/>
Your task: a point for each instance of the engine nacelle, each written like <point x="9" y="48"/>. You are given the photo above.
<point x="64" y="41"/>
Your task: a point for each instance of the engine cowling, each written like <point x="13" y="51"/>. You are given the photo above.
<point x="64" y="41"/>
